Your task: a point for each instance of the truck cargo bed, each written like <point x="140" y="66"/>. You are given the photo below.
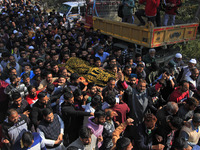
<point x="148" y="35"/>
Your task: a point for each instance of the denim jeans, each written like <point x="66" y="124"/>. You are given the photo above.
<point x="128" y="19"/>
<point x="170" y="18"/>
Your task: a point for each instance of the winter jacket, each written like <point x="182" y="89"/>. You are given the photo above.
<point x="151" y="6"/>
<point x="128" y="10"/>
<point x="172" y="10"/>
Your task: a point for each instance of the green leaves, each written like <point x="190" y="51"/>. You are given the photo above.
<point x="191" y="49"/>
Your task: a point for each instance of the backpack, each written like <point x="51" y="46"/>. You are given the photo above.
<point x="120" y="10"/>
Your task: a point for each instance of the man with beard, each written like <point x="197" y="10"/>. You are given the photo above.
<point x="26" y="79"/>
<point x="101" y="54"/>
<point x="37" y="78"/>
<point x="139" y="71"/>
<point x="91" y="92"/>
<point x="36" y="113"/>
<point x="19" y="104"/>
<point x="86" y="140"/>
<point x="146" y="133"/>
<point x="13" y="127"/>
<point x="23" y="58"/>
<point x="27" y="69"/>
<point x="13" y="64"/>
<point x="192" y="79"/>
<point x="55" y="69"/>
<point x="74" y="81"/>
<point x="32" y="60"/>
<point x="151" y="65"/>
<point x="16" y="86"/>
<point x="12" y="71"/>
<point x="139" y="100"/>
<point x="186" y="71"/>
<point x="97" y="62"/>
<point x="110" y="87"/>
<point x="65" y="57"/>
<point x="111" y="62"/>
<point x="127" y="70"/>
<point x="51" y="129"/>
<point x="31" y="98"/>
<point x="133" y="80"/>
<point x="48" y="80"/>
<point x="180" y="93"/>
<point x="96" y="125"/>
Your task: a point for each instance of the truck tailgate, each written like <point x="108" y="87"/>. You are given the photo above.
<point x="148" y="35"/>
<point x="173" y="34"/>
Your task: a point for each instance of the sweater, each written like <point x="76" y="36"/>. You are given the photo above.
<point x="31" y="100"/>
<point x="97" y="129"/>
<point x="117" y="132"/>
<point x="150" y="7"/>
<point x="121" y="110"/>
<point x="13" y="132"/>
<point x="172" y="10"/>
<point x="177" y="96"/>
<point x="92" y="146"/>
<point x="24" y="107"/>
<point x="51" y="130"/>
<point x="193" y="135"/>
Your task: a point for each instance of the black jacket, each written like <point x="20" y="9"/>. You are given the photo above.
<point x="36" y="113"/>
<point x="144" y="140"/>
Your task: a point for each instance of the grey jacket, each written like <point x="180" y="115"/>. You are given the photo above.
<point x="138" y="102"/>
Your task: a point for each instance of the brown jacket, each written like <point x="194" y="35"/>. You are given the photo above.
<point x="116" y="134"/>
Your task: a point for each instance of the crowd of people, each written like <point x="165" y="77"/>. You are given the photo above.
<point x="151" y="11"/>
<point x="45" y="106"/>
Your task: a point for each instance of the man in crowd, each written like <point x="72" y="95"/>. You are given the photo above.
<point x="110" y="87"/>
<point x="71" y="117"/>
<point x="186" y="110"/>
<point x="180" y="93"/>
<point x="138" y="101"/>
<point x="31" y="98"/>
<point x="96" y="125"/>
<point x="30" y="141"/>
<point x="30" y="36"/>
<point x="13" y="127"/>
<point x="128" y="11"/>
<point x="36" y="113"/>
<point x="86" y="140"/>
<point x="51" y="129"/>
<point x="150" y="10"/>
<point x="146" y="133"/>
<point x="48" y="80"/>
<point x="19" y="104"/>
<point x="192" y="133"/>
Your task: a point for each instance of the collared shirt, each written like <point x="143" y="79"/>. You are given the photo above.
<point x="103" y="57"/>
